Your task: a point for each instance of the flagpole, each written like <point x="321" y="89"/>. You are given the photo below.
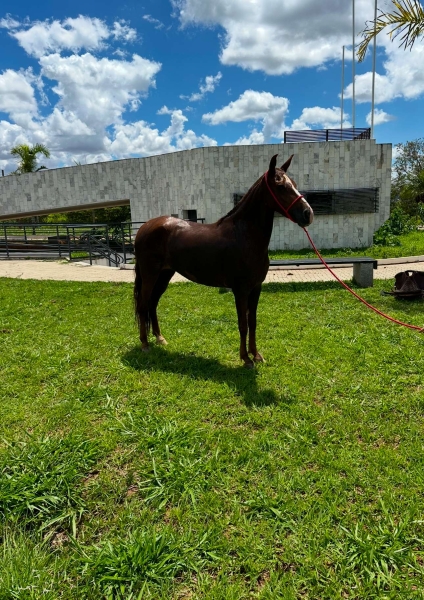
<point x="342" y="95"/>
<point x="374" y="53"/>
<point x="353" y="64"/>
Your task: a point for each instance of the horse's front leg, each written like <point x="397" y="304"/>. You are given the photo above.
<point x="241" y="299"/>
<point x="252" y="304"/>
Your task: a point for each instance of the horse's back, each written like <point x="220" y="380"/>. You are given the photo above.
<point x="161" y="230"/>
<point x="155" y="239"/>
<point x="153" y="231"/>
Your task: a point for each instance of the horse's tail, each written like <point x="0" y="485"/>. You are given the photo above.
<point x="139" y="312"/>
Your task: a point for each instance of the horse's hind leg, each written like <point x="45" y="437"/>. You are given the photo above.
<point x="159" y="288"/>
<point x="144" y="285"/>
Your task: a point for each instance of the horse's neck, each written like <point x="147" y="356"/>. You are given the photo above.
<point x="255" y="216"/>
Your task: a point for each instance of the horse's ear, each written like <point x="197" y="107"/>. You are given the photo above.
<point x="272" y="163"/>
<point x="286" y="165"/>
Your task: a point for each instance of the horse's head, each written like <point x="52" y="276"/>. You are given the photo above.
<point x="285" y="198"/>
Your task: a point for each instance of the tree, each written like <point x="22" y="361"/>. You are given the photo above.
<point x="116" y="214"/>
<point x="409" y="162"/>
<point x="28" y="156"/>
<point x="408" y="175"/>
<point x="406" y="20"/>
<point x="413" y="190"/>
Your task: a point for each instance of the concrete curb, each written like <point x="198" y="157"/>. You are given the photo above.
<point x="401" y="260"/>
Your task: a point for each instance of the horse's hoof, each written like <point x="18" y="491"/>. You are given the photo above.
<point x="249" y="365"/>
<point x="259" y="358"/>
<point x="145" y="348"/>
<point x="161" y="341"/>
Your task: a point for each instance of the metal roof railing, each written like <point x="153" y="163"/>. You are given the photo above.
<point x="327" y="135"/>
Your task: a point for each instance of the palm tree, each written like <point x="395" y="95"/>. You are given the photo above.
<point x="28" y="156"/>
<point x="406" y="20"/>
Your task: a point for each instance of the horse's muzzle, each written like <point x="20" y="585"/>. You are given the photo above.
<point x="308" y="216"/>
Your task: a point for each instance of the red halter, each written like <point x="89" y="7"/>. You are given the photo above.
<point x="285" y="210"/>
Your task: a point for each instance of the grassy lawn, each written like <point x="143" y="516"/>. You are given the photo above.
<point x="181" y="475"/>
<point x="412" y="244"/>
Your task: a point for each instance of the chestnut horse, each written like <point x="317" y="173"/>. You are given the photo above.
<point x="231" y="253"/>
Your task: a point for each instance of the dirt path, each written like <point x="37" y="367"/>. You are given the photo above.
<point x="65" y="271"/>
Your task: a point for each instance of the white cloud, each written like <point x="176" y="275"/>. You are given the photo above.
<point x="384" y="90"/>
<point x="272" y="110"/>
<point x="82" y="33"/>
<point x="67" y="124"/>
<point x="97" y="91"/>
<point x="395" y="152"/>
<point x="10" y="135"/>
<point x="380" y="117"/>
<point x="277" y="37"/>
<point x="9" y="23"/>
<point x="320" y="118"/>
<point x="211" y="81"/>
<point x="185" y="139"/>
<point x="141" y="139"/>
<point x="122" y="31"/>
<point x="157" y="24"/>
<point x="250" y="105"/>
<point x="87" y="121"/>
<point x="256" y="137"/>
<point x="138" y="138"/>
<point x="70" y="139"/>
<point x="17" y="95"/>
<point x="403" y="76"/>
<point x="254" y="106"/>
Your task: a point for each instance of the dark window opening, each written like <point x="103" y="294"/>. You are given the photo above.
<point x="337" y="202"/>
<point x="190" y="215"/>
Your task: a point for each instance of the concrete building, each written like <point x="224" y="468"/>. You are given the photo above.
<point x="346" y="182"/>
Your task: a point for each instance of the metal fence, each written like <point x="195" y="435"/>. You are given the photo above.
<point x="109" y="242"/>
<point x="327" y="135"/>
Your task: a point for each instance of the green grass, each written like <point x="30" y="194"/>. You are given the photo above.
<point x="40" y="480"/>
<point x="180" y="474"/>
<point x="411" y="244"/>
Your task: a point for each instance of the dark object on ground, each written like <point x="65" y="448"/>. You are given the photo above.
<point x="408" y="284"/>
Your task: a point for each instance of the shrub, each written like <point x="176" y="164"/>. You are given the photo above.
<point x="397" y="224"/>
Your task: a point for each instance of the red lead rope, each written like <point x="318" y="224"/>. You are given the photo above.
<point x="286" y="212"/>
<point x="420" y="329"/>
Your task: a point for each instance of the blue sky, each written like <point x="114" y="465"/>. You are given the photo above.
<point x="100" y="81"/>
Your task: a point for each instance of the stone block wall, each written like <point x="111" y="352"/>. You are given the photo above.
<point x="205" y="179"/>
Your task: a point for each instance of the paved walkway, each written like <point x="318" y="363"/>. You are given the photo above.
<point x="64" y="271"/>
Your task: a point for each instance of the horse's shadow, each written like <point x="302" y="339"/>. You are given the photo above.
<point x="243" y="381"/>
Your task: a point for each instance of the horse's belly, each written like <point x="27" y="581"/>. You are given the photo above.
<point x="210" y="279"/>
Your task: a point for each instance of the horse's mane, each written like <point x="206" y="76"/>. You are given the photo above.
<point x="248" y="195"/>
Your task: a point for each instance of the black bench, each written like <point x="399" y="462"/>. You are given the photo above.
<point x="362" y="266"/>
